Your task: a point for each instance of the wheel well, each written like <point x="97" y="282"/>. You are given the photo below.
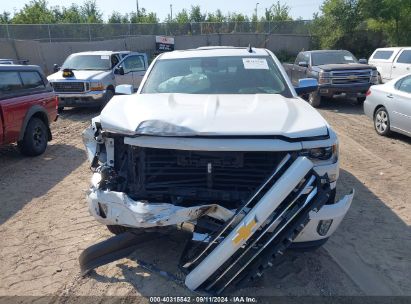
<point x="110" y="87"/>
<point x="376" y="109"/>
<point x="43" y="117"/>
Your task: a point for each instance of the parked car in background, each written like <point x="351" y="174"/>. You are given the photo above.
<point x="27" y="106"/>
<point x="389" y="105"/>
<point x="391" y="62"/>
<point x="338" y="72"/>
<point x="89" y="78"/>
<point x="13" y="61"/>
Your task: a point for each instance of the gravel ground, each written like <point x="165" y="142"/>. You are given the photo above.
<point x="45" y="223"/>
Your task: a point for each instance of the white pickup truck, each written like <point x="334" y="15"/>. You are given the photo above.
<point x="218" y="140"/>
<point x="88" y="79"/>
<point x="391" y="62"/>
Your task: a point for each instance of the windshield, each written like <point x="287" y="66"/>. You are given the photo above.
<point x="216" y="75"/>
<point x="87" y="62"/>
<point x="333" y="58"/>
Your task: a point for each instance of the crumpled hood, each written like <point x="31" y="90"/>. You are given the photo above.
<point x="212" y="115"/>
<point x="79" y="75"/>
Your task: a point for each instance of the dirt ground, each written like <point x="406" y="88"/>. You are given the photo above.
<point x="45" y="223"/>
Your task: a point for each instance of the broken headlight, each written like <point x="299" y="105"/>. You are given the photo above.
<point x="322" y="153"/>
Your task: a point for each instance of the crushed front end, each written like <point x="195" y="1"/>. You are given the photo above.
<point x="247" y="200"/>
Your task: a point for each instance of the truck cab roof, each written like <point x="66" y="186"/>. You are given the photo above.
<point x="214" y="52"/>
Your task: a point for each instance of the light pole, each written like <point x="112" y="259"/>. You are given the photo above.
<point x="171" y="12"/>
<point x="256" y="11"/>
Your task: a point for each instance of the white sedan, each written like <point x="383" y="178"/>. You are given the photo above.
<point x="389" y="105"/>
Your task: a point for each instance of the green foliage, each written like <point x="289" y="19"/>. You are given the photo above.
<point x="362" y="25"/>
<point x="35" y="12"/>
<point x="196" y="15"/>
<point x="277" y="12"/>
<point x="90" y="12"/>
<point x="5" y="17"/>
<point x="216" y="17"/>
<point x="182" y="17"/>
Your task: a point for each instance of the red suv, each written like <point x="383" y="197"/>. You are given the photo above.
<point x="27" y="106"/>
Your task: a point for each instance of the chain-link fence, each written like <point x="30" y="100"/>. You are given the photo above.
<point x="90" y="32"/>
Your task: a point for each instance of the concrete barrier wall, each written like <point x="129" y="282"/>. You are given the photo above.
<point x="47" y="54"/>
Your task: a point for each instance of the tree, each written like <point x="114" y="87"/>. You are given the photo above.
<point x="216" y="17"/>
<point x="117" y="17"/>
<point x="70" y="14"/>
<point x="196" y="15"/>
<point x="5" y="18"/>
<point x="90" y="12"/>
<point x="393" y="17"/>
<point x="234" y="17"/>
<point x="277" y="12"/>
<point x="182" y="17"/>
<point x="35" y="12"/>
<point x="143" y="17"/>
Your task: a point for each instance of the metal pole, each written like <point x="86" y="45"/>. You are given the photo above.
<point x="7" y="29"/>
<point x="256" y="11"/>
<point x="48" y="27"/>
<point x="171" y="12"/>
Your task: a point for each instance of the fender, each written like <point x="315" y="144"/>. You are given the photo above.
<point x="30" y="113"/>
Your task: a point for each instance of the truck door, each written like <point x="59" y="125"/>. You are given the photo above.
<point x="402" y="64"/>
<point x="300" y="68"/>
<point x="134" y="67"/>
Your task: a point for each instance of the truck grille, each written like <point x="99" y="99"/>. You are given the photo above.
<point x="69" y="87"/>
<point x="351" y="77"/>
<point x="182" y="177"/>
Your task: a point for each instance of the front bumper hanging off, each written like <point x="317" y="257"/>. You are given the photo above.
<point x="274" y="217"/>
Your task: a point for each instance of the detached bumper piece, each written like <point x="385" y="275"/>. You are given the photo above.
<point x="239" y="250"/>
<point x="261" y="231"/>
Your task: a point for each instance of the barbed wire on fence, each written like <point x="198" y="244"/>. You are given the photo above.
<point x="90" y="32"/>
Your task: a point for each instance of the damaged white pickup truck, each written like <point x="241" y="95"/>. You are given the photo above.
<point x="218" y="140"/>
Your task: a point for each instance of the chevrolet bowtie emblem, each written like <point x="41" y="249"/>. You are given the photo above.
<point x="352" y="77"/>
<point x="245" y="231"/>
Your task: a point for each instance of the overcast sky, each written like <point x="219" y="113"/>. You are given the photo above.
<point x="299" y="8"/>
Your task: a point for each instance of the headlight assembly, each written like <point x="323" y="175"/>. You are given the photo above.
<point x="322" y="153"/>
<point x="96" y="86"/>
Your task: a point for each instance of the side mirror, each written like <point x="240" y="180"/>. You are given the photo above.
<point x="124" y="89"/>
<point x="306" y="86"/>
<point x="56" y="68"/>
<point x="303" y="64"/>
<point x="363" y="61"/>
<point x="119" y="71"/>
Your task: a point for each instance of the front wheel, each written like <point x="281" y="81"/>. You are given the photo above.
<point x="35" y="138"/>
<point x="314" y="99"/>
<point x="107" y="97"/>
<point x="382" y="122"/>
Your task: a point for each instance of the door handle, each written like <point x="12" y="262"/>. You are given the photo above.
<point x="390" y="96"/>
<point x="394" y="67"/>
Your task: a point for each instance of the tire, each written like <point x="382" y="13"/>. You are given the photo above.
<point x="360" y="100"/>
<point x="35" y="138"/>
<point x="117" y="229"/>
<point x="314" y="99"/>
<point x="60" y="109"/>
<point x="382" y="122"/>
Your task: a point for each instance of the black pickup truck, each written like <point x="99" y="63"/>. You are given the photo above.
<point x="338" y="73"/>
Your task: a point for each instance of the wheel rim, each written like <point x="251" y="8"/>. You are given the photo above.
<point x="38" y="137"/>
<point x="381" y="121"/>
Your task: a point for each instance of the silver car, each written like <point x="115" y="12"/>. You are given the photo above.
<point x="389" y="105"/>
